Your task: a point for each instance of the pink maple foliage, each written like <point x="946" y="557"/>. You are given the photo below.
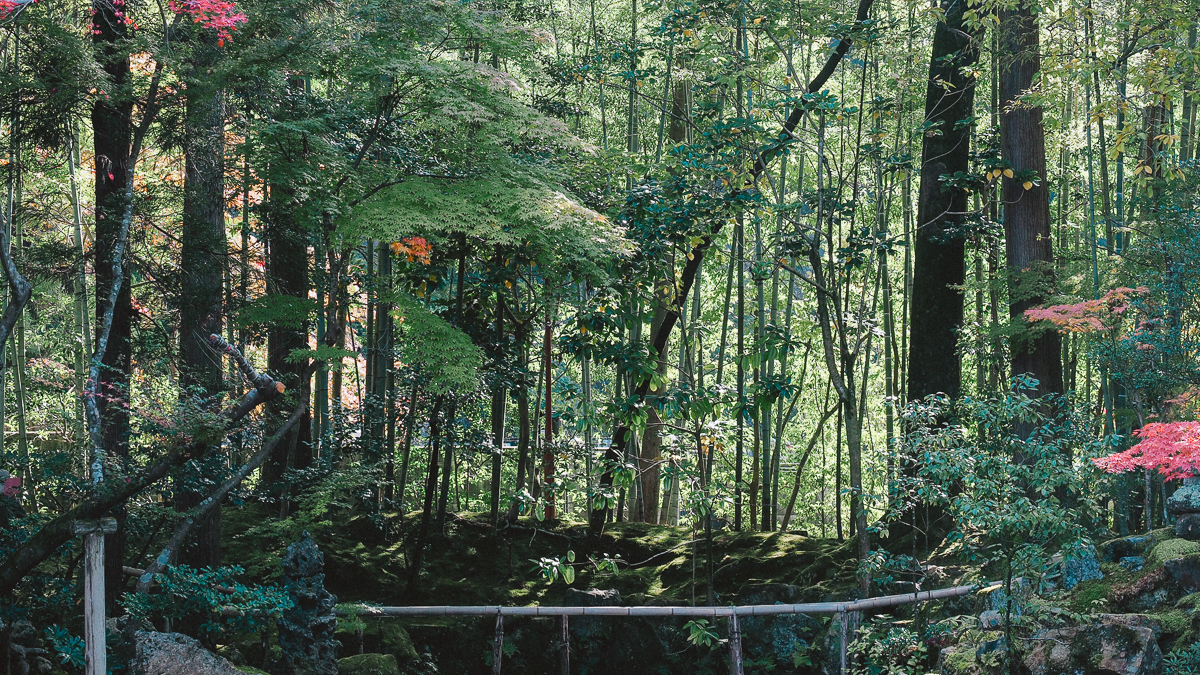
<point x="220" y="15"/>
<point x="1170" y="448"/>
<point x="1090" y="315"/>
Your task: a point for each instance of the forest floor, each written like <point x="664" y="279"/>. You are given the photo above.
<point x="471" y="563"/>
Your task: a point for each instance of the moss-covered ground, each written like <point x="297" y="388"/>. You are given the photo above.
<point x="367" y="559"/>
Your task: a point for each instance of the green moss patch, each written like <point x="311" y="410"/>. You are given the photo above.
<point x="1173" y="548"/>
<point x="369" y="664"/>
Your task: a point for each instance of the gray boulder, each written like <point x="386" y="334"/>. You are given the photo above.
<point x="1132" y="563"/>
<point x="1107" y="648"/>
<point x="1188" y="526"/>
<point x="1184" y="500"/>
<point x="307" y="629"/>
<point x="1115" y="549"/>
<point x="776" y="637"/>
<point x="588" y="628"/>
<point x="175" y="654"/>
<point x="1185" y="571"/>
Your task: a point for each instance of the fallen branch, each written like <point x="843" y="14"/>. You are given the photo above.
<point x="264" y="387"/>
<point x="204" y="509"/>
<point x="105" y="496"/>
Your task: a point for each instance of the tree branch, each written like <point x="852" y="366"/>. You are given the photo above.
<point x="204" y="509"/>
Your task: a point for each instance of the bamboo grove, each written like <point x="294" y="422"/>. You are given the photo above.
<point x="692" y="263"/>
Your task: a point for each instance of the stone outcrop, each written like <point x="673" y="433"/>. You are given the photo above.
<point x="175" y="654"/>
<point x="307" y="629"/>
<point x="1108" y="647"/>
<point x="779" y="637"/>
<point x="1185" y="503"/>
<point x="1185" y="571"/>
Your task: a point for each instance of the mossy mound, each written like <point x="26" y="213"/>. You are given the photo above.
<point x="369" y="664"/>
<point x="1173" y="548"/>
<point x="251" y="669"/>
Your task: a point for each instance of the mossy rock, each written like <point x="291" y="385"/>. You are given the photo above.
<point x="251" y="669"/>
<point x="369" y="664"/>
<point x="1173" y="548"/>
<point x="396" y="641"/>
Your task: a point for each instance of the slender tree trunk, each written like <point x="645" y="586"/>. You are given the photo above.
<point x="431" y="484"/>
<point x="499" y="403"/>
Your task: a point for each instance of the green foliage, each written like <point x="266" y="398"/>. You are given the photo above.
<point x="557" y="568"/>
<point x="277" y="310"/>
<point x="1184" y="661"/>
<point x="442" y="354"/>
<point x="1009" y="458"/>
<point x="888" y="647"/>
<point x="213" y="596"/>
<point x="67" y="647"/>
<point x="702" y="633"/>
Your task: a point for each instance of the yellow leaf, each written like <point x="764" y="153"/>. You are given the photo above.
<point x="1028" y="185"/>
<point x="1008" y="173"/>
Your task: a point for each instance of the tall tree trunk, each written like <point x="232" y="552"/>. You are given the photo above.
<point x="287" y="274"/>
<point x="202" y="262"/>
<point x="939" y="267"/>
<point x="111" y="137"/>
<point x="1029" y="249"/>
<point x="938" y="246"/>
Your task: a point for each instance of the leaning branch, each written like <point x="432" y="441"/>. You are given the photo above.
<point x="110" y="494"/>
<point x="204" y="509"/>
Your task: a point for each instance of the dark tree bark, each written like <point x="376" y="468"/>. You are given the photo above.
<point x="112" y="125"/>
<point x="499" y="401"/>
<point x="939" y="245"/>
<point x="1026" y="211"/>
<point x="431" y="483"/>
<point x="202" y="261"/>
<point x="287" y="274"/>
<point x="939" y="267"/>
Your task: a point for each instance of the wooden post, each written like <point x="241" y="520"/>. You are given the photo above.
<point x="94" y="635"/>
<point x="498" y="644"/>
<point x="564" y="646"/>
<point x="843" y="628"/>
<point x="735" y="645"/>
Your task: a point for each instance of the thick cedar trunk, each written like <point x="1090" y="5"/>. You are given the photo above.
<point x="111" y="131"/>
<point x="201" y="264"/>
<point x="1026" y="211"/>
<point x="939" y="250"/>
<point x="287" y="274"/>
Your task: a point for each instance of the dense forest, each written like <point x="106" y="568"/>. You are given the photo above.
<point x="703" y="302"/>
